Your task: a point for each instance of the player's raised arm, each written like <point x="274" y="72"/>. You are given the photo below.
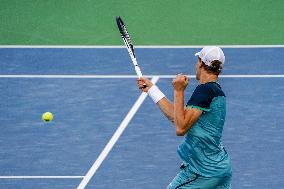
<point x="184" y="118"/>
<point x="165" y="105"/>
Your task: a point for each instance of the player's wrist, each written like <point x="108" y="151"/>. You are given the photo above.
<point x="155" y="93"/>
<point x="150" y="85"/>
<point x="178" y="91"/>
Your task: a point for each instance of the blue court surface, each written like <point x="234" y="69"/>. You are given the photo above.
<point x="88" y="110"/>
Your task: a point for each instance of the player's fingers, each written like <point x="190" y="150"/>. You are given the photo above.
<point x="143" y="79"/>
<point x="179" y="79"/>
<point x="147" y="81"/>
<point x="144" y="89"/>
<point x="178" y="75"/>
<point x="186" y="82"/>
<point x="185" y="78"/>
<point x="142" y="85"/>
<point x="140" y="82"/>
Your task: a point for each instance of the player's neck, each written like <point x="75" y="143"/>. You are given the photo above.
<point x="205" y="78"/>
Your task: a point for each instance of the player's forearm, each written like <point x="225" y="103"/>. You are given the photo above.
<point x="179" y="113"/>
<point x="167" y="108"/>
<point x="164" y="104"/>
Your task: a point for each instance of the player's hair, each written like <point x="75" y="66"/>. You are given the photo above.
<point x="215" y="68"/>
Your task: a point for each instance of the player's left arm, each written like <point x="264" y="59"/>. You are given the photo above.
<point x="184" y="118"/>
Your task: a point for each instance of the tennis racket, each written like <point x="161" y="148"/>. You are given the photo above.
<point x="127" y="41"/>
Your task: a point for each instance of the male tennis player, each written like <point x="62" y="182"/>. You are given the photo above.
<point x="206" y="164"/>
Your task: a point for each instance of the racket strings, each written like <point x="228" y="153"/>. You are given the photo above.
<point x="126" y="36"/>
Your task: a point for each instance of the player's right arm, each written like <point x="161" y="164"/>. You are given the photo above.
<point x="165" y="105"/>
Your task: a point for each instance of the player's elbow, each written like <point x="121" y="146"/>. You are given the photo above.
<point x="180" y="131"/>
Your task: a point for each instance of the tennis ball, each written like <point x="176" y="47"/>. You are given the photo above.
<point x="47" y="116"/>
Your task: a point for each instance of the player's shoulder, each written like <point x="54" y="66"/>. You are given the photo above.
<point x="211" y="88"/>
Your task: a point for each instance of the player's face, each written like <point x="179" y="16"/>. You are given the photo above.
<point x="198" y="68"/>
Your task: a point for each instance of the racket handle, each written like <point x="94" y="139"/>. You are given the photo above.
<point x="139" y="74"/>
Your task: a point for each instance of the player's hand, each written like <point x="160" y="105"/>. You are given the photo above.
<point x="144" y="84"/>
<point x="180" y="82"/>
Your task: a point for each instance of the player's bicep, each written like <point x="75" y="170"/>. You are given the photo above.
<point x="191" y="116"/>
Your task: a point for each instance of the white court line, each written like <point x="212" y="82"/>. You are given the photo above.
<point x="41" y="177"/>
<point x="131" y="76"/>
<point x="137" y="46"/>
<point x="114" y="138"/>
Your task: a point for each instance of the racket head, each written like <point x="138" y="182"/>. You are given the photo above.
<point x="124" y="33"/>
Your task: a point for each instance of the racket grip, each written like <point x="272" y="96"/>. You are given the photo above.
<point x="139" y="74"/>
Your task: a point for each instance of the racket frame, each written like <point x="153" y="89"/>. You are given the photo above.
<point x="127" y="41"/>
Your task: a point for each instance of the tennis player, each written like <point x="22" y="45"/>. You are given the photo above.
<point x="206" y="163"/>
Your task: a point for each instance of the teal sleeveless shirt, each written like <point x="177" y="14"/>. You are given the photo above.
<point x="202" y="149"/>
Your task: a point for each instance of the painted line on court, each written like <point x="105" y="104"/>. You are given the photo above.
<point x="114" y="138"/>
<point x="137" y="46"/>
<point x="41" y="177"/>
<point x="130" y="76"/>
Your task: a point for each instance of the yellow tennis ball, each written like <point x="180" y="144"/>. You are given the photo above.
<point x="47" y="116"/>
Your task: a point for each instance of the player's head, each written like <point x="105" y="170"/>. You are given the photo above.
<point x="210" y="60"/>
